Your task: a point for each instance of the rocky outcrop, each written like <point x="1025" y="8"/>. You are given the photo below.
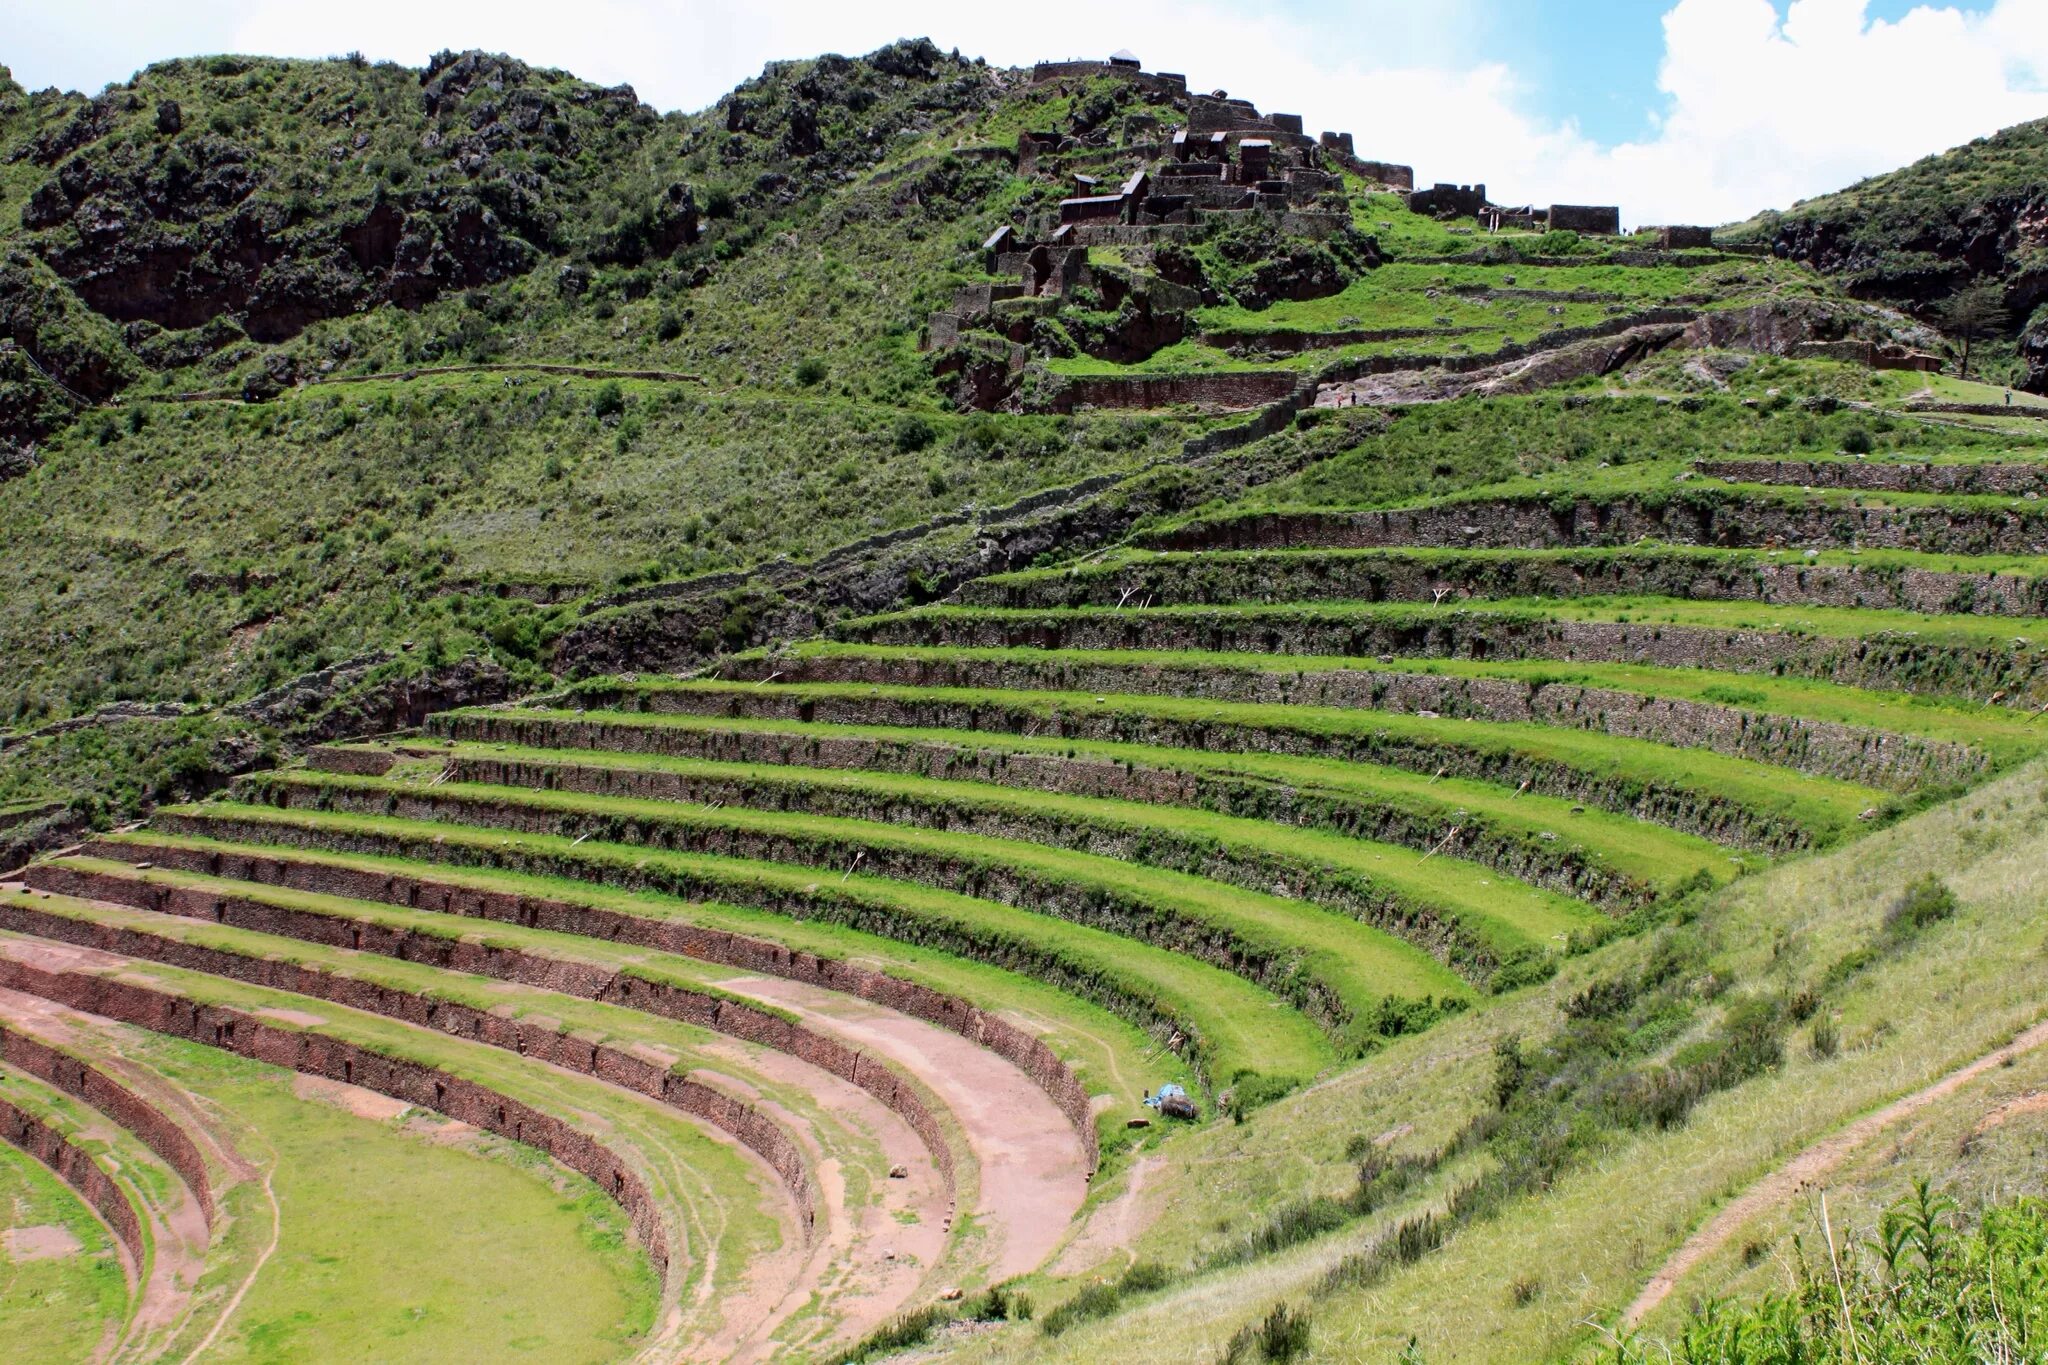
<point x="361" y="696"/>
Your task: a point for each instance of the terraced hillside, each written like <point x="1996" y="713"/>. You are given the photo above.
<point x="596" y="807"/>
<point x="842" y="968"/>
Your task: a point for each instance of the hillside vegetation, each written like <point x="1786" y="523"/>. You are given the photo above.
<point x="793" y="732"/>
<point x="1970" y="218"/>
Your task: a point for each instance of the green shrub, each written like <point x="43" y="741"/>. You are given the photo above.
<point x="1144" y="1277"/>
<point x="1250" y="1092"/>
<point x="912" y="434"/>
<point x="609" y="399"/>
<point x="1281" y="1335"/>
<point x="1096" y="1301"/>
<point x="1925" y="902"/>
<point x="1826" y="1040"/>
<point x="810" y="372"/>
<point x="1858" y="441"/>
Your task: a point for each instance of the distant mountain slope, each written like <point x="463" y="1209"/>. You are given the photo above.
<point x="1914" y="236"/>
<point x="215" y="202"/>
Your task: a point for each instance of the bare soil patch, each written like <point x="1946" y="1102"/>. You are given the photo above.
<point x="43" y="1242"/>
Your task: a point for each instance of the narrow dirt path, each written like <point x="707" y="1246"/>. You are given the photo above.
<point x="1113" y="1226"/>
<point x="1033" y="1173"/>
<point x="1811" y="1166"/>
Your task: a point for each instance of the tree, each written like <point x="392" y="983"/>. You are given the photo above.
<point x="1971" y="313"/>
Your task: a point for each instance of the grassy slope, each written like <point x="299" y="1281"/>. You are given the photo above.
<point x="1585" y="1246"/>
<point x="205" y="550"/>
<point x="55" y="1307"/>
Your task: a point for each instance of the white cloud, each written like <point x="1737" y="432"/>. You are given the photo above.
<point x="1762" y="110"/>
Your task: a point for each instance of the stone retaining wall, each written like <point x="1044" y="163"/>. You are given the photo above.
<point x="155" y="1129"/>
<point x="721" y="1014"/>
<point x="1279" y="579"/>
<point x="1889" y="476"/>
<point x="352" y="759"/>
<point x="1271" y="964"/>
<point x="72" y="1165"/>
<point x="1892" y="660"/>
<point x="1255" y="869"/>
<point x="1693" y="812"/>
<point x="1851" y="753"/>
<point x="527" y="1037"/>
<point x="316" y="1054"/>
<point x="1542" y="523"/>
<point x="1025" y="1050"/>
<point x="1229" y="389"/>
<point x="1553" y="864"/>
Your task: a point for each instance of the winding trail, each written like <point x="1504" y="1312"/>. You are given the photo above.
<point x="1811" y="1166"/>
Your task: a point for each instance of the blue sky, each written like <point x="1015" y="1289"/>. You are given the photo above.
<point x="1678" y="110"/>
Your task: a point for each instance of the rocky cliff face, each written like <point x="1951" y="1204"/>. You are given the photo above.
<point x="1914" y="237"/>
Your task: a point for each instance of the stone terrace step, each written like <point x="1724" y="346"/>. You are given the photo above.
<point x="799" y="1119"/>
<point x="1867" y="754"/>
<point x="658" y="1060"/>
<point x="1719" y="516"/>
<point x="1229" y="1026"/>
<point x="1972" y="663"/>
<point x="1895" y="580"/>
<point x="1471" y="918"/>
<point x="1887" y="476"/>
<point x="651" y="1161"/>
<point x="570" y="913"/>
<point x="651" y="983"/>
<point x="1336" y="970"/>
<point x="1730" y="801"/>
<point x="1616" y="863"/>
<point x="105" y="1167"/>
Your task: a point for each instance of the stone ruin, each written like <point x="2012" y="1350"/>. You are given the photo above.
<point x="1599" y="219"/>
<point x="1449" y="201"/>
<point x="1138" y="184"/>
<point x="1685" y="238"/>
<point x="1143" y="187"/>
